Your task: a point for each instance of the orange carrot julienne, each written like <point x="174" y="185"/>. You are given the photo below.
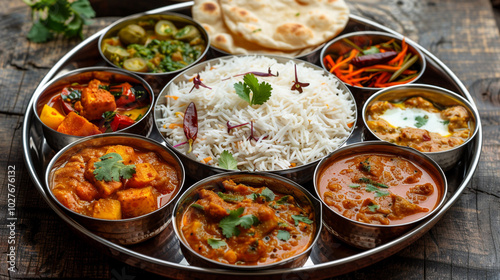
<point x="207" y="159"/>
<point x="172" y="96"/>
<point x="174" y="125"/>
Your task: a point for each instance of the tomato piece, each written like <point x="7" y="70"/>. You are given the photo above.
<point x="127" y="96"/>
<point x="121" y="122"/>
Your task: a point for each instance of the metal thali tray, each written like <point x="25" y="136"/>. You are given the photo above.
<point x="162" y="254"/>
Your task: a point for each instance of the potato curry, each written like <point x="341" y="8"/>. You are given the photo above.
<point x="244" y="225"/>
<point x="94" y="108"/>
<point x="419" y="124"/>
<point x="379" y="189"/>
<point x="114" y="182"/>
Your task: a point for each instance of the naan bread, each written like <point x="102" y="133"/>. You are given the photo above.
<point x="285" y="24"/>
<point x="208" y="14"/>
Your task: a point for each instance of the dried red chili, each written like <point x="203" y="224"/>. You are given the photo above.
<point x="373" y="59"/>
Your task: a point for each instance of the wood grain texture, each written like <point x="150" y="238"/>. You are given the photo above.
<point x="465" y="244"/>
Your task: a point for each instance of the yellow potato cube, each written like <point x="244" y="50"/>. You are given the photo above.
<point x="127" y="153"/>
<point x="108" y="209"/>
<point x="144" y="174"/>
<point x="51" y="117"/>
<point x="137" y="202"/>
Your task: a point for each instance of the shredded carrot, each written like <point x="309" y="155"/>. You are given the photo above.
<point x="174" y="125"/>
<point x="351" y="56"/>
<point x="172" y="96"/>
<point x="349" y="125"/>
<point x="329" y="59"/>
<point x="207" y="159"/>
<point x="293" y="164"/>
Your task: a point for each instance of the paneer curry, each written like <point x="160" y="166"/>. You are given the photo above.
<point x="246" y="225"/>
<point x="94" y="108"/>
<point x="379" y="188"/>
<point x="420" y="124"/>
<point x="114" y="182"/>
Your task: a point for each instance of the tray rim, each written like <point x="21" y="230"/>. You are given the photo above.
<point x="408" y="238"/>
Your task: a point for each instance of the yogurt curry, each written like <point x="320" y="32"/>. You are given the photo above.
<point x="381" y="189"/>
<point x="419" y="124"/>
<point x="114" y="182"/>
<point x="247" y="226"/>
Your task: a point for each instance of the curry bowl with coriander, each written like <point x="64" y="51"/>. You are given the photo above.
<point x="122" y="187"/>
<point x="244" y="220"/>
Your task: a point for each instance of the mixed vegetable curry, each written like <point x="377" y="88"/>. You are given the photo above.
<point x="244" y="225"/>
<point x="94" y="108"/>
<point x="154" y="46"/>
<point x="114" y="182"/>
<point x="419" y="124"/>
<point x="380" y="189"/>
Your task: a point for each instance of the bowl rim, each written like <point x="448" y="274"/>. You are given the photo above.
<point x="146" y="14"/>
<point x="207" y="180"/>
<point x="179" y="168"/>
<point x="412" y="44"/>
<point x="38" y="94"/>
<point x="394" y="147"/>
<point x="342" y="86"/>
<point x="429" y="88"/>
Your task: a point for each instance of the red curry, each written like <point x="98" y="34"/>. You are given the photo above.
<point x="247" y="226"/>
<point x="378" y="189"/>
<point x="145" y="182"/>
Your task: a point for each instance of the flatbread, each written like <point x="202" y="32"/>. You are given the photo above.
<point x="208" y="14"/>
<point x="285" y="24"/>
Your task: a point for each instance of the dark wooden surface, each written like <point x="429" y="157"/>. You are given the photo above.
<point x="465" y="244"/>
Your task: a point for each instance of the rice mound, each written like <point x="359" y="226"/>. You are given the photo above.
<point x="300" y="127"/>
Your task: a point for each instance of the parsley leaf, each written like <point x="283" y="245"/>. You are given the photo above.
<point x="227" y="161"/>
<point x="421" y="121"/>
<point x="216" y="243"/>
<point x="283" y="235"/>
<point x="300" y="218"/>
<point x="373" y="207"/>
<point x="268" y="194"/>
<point x="229" y="223"/>
<point x="260" y="91"/>
<point x="111" y="167"/>
<point x="52" y="17"/>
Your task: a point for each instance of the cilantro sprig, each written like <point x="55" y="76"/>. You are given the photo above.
<point x="283" y="235"/>
<point x="52" y="17"/>
<point x="111" y="168"/>
<point x="227" y="161"/>
<point x="300" y="218"/>
<point x="216" y="243"/>
<point x="229" y="224"/>
<point x="260" y="92"/>
<point x="421" y="121"/>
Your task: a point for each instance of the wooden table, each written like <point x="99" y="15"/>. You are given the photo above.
<point x="464" y="244"/>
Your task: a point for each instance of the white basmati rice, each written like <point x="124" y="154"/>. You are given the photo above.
<point x="300" y="127"/>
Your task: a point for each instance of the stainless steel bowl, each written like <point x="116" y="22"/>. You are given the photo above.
<point x="337" y="46"/>
<point x="446" y="159"/>
<point x="157" y="80"/>
<point x="58" y="140"/>
<point x="198" y="170"/>
<point x="125" y="231"/>
<point x="363" y="235"/>
<point x="258" y="179"/>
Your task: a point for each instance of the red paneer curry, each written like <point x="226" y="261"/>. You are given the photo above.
<point x="114" y="182"/>
<point x="419" y="124"/>
<point x="379" y="189"/>
<point x="94" y="108"/>
<point x="247" y="226"/>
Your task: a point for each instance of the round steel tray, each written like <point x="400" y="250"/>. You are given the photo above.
<point x="162" y="254"/>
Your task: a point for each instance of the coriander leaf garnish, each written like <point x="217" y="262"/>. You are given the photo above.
<point x="260" y="91"/>
<point x="446" y="122"/>
<point x="252" y="196"/>
<point x="229" y="223"/>
<point x="268" y="194"/>
<point x="216" y="243"/>
<point x="373" y="207"/>
<point x="283" y="235"/>
<point x="421" y="121"/>
<point x="283" y="200"/>
<point x="380" y="193"/>
<point x="230" y="197"/>
<point x="197" y="206"/>
<point x="111" y="167"/>
<point x="371" y="188"/>
<point x="300" y="218"/>
<point x="227" y="161"/>
<point x="354" y="186"/>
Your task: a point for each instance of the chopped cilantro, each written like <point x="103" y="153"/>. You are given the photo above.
<point x="268" y="194"/>
<point x="111" y="167"/>
<point x="229" y="223"/>
<point x="300" y="218"/>
<point x="283" y="235"/>
<point x="381" y="185"/>
<point x="197" y="206"/>
<point x="446" y="122"/>
<point x="283" y="200"/>
<point x="256" y="30"/>
<point x="252" y="196"/>
<point x="216" y="243"/>
<point x="371" y="188"/>
<point x="354" y="186"/>
<point x="421" y="121"/>
<point x="227" y="161"/>
<point x="365" y="165"/>
<point x="373" y="207"/>
<point x="260" y="91"/>
<point x="380" y="193"/>
<point x="371" y="50"/>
